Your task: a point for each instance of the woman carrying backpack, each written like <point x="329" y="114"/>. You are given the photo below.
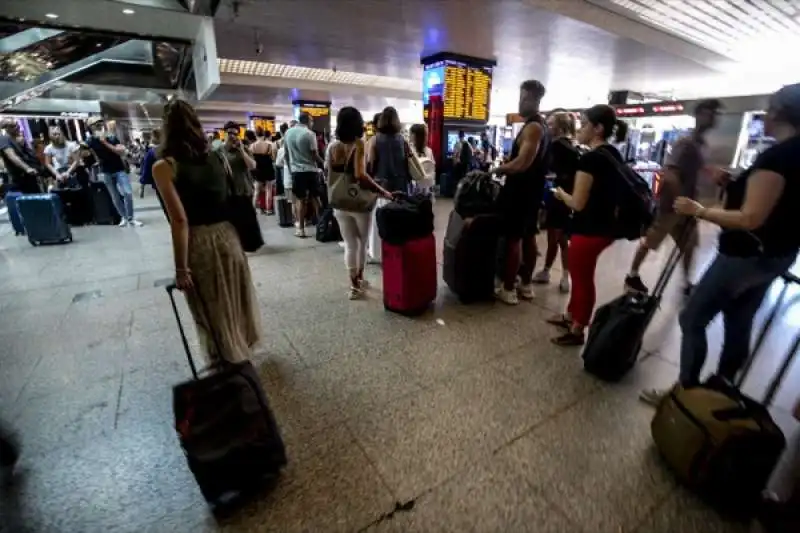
<point x="593" y="228"/>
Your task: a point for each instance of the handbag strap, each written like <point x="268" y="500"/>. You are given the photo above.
<point x="226" y="167"/>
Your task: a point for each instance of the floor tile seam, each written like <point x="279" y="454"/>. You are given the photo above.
<point x="28" y="379"/>
<point x="553" y="505"/>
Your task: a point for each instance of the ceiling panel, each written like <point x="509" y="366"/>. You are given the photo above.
<point x="575" y="60"/>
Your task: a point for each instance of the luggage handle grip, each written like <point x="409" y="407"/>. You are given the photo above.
<point x="171" y="288"/>
<point x="772" y="389"/>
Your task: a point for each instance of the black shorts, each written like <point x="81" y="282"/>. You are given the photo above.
<point x="519" y="213"/>
<point x="305" y="185"/>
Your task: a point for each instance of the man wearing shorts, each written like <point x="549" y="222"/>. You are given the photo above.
<point x="680" y="175"/>
<point x="520" y="198"/>
<point x="304" y="162"/>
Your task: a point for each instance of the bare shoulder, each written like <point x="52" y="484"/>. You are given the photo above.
<point x="164" y="167"/>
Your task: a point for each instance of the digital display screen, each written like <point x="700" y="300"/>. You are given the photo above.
<point x="465" y="88"/>
<point x="315" y="112"/>
<point x="320" y="112"/>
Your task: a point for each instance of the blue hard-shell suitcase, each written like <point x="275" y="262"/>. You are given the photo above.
<point x="13" y="213"/>
<point x="44" y="219"/>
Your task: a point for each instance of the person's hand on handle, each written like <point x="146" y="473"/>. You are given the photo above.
<point x="686" y="206"/>
<point x="559" y="194"/>
<point x="183" y="279"/>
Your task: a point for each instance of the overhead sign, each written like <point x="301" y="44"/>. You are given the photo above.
<point x="204" y="60"/>
<point x="464" y="84"/>
<point x="650" y="110"/>
<point x="319" y="111"/>
<point x="266" y="123"/>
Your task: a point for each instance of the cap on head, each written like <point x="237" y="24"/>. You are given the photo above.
<point x="786" y="104"/>
<point x="93" y="122"/>
<point x="711" y="104"/>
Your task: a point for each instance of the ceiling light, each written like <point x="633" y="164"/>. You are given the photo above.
<point x="128" y="11"/>
<point x="51" y="16"/>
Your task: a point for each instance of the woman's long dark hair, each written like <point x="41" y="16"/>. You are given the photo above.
<point x="183" y="137"/>
<point x="389" y="122"/>
<point x="604" y="115"/>
<point x="418" y="133"/>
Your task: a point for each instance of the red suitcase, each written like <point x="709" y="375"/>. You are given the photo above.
<point x="409" y="275"/>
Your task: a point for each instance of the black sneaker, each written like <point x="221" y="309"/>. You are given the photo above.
<point x="635" y="284"/>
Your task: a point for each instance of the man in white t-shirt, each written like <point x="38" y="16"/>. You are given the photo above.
<point x="60" y="155"/>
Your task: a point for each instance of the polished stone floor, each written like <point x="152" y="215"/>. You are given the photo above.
<point x="465" y="419"/>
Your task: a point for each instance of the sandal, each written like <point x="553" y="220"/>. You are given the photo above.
<point x="560" y="321"/>
<point x="569" y="338"/>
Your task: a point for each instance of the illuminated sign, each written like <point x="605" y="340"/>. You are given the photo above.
<point x="658" y="108"/>
<point x="315" y="112"/>
<point x="320" y="112"/>
<point x="465" y="86"/>
<point x="265" y="123"/>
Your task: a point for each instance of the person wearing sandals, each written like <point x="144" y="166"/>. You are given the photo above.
<point x="346" y="160"/>
<point x="210" y="265"/>
<point x="593" y="201"/>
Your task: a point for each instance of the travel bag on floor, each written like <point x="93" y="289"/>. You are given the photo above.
<point x="409" y="275"/>
<point x="469" y="256"/>
<point x="103" y="209"/>
<point x="405" y="219"/>
<point x="13" y="212"/>
<point x="226" y="427"/>
<point x="43" y="218"/>
<point x="618" y="327"/>
<point x="719" y="442"/>
<point x="328" y="227"/>
<point x="284" y="210"/>
<point x="77" y="205"/>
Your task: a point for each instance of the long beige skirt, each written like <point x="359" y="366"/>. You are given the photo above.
<point x="223" y="304"/>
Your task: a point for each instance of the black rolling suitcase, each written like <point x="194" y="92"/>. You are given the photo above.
<point x="618" y="327"/>
<point x="328" y="227"/>
<point x="226" y="427"/>
<point x="718" y="441"/>
<point x="284" y="210"/>
<point x="469" y="256"/>
<point x="77" y="205"/>
<point x="103" y="210"/>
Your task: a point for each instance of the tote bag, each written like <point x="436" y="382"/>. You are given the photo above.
<point x="345" y="191"/>
<point x="241" y="213"/>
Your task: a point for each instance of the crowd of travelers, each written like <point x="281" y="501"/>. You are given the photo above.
<point x="558" y="178"/>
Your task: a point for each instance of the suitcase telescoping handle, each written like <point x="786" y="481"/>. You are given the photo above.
<point x="772" y="389"/>
<point x="171" y="288"/>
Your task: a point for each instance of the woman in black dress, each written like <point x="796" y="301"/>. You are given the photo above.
<point x="563" y="162"/>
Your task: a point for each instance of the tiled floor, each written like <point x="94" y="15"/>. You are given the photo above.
<point x="467" y="418"/>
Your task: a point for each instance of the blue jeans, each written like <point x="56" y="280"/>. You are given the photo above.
<point x="735" y="287"/>
<point x="119" y="187"/>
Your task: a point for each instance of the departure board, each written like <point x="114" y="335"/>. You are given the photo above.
<point x="320" y="112"/>
<point x="466" y="90"/>
<point x="315" y="112"/>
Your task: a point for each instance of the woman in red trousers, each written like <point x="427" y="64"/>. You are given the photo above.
<point x="593" y="201"/>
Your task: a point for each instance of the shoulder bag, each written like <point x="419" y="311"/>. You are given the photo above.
<point x="241" y="213"/>
<point x="345" y="191"/>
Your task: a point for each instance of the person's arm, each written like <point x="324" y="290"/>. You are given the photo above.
<point x="16" y="161"/>
<point x="74" y="159"/>
<point x="249" y="161"/>
<point x="528" y="149"/>
<point x="413" y="161"/>
<point x="50" y="164"/>
<point x="361" y="170"/>
<point x="163" y="173"/>
<point x="764" y="189"/>
<point x="580" y="191"/>
<point x="116" y="148"/>
<point x="312" y="139"/>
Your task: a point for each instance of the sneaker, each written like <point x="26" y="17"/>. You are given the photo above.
<point x="507" y="297"/>
<point x="570" y="338"/>
<point x="135" y="223"/>
<point x="563" y="285"/>
<point x="123" y="223"/>
<point x="301" y="233"/>
<point x="633" y="283"/>
<point x="542" y="277"/>
<point x="354" y="294"/>
<point x="363" y="284"/>
<point x="526" y="291"/>
<point x="654" y="397"/>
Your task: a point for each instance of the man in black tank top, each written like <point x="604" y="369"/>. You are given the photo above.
<point x="521" y="196"/>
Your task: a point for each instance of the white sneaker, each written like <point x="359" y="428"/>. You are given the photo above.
<point x="563" y="285"/>
<point x="654" y="397"/>
<point x="136" y="223"/>
<point x="542" y="277"/>
<point x="507" y="297"/>
<point x="123" y="223"/>
<point x="526" y="291"/>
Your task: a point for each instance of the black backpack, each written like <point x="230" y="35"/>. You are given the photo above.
<point x="636" y="206"/>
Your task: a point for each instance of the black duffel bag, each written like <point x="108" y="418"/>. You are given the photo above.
<point x="476" y="194"/>
<point x="405" y="219"/>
